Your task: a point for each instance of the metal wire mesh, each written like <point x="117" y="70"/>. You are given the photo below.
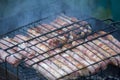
<point x="62" y="63"/>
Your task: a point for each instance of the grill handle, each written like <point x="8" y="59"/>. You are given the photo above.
<point x="115" y="23"/>
<point x="112" y="22"/>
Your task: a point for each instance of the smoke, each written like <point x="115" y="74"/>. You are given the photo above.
<point x="15" y="13"/>
<point x="78" y="8"/>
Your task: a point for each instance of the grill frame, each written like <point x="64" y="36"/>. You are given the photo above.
<point x="112" y="25"/>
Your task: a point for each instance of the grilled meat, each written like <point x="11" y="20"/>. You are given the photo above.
<point x="52" y="54"/>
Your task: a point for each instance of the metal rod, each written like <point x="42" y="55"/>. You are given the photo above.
<point x="87" y="66"/>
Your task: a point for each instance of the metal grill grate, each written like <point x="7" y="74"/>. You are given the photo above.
<point x="65" y="61"/>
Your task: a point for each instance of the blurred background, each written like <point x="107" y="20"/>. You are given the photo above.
<point x="16" y="13"/>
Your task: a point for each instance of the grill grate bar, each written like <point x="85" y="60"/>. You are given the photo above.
<point x="44" y="56"/>
<point x="80" y="50"/>
<point x="68" y="42"/>
<point x="87" y="66"/>
<point x="75" y="46"/>
<point x="42" y="35"/>
<point x="65" y="58"/>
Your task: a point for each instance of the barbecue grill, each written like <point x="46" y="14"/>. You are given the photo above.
<point x="24" y="71"/>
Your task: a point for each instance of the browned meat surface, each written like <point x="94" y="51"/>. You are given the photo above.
<point x="50" y="54"/>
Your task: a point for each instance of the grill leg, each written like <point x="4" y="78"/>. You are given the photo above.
<point x="6" y="74"/>
<point x="17" y="73"/>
